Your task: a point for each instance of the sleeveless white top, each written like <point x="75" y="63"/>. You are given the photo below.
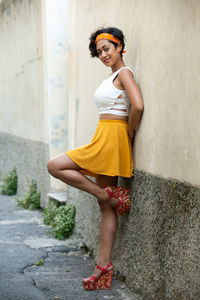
<point x="106" y="97"/>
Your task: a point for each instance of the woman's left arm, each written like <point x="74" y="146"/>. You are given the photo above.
<point x="134" y="95"/>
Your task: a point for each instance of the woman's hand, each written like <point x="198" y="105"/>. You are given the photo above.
<point x="131" y="134"/>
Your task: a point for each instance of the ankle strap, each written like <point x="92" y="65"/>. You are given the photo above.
<point x="104" y="269"/>
<point x="109" y="190"/>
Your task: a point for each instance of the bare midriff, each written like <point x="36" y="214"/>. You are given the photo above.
<point x="112" y="117"/>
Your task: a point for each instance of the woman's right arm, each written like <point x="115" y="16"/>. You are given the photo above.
<point x="134" y="95"/>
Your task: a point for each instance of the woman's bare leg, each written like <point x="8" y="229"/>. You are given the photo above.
<point x="108" y="225"/>
<point x="63" y="168"/>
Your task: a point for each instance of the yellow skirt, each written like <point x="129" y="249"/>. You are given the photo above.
<point x="109" y="152"/>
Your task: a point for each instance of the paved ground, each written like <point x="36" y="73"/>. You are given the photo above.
<point x="24" y="239"/>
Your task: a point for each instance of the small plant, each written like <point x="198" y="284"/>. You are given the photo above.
<point x="63" y="221"/>
<point x="50" y="213"/>
<point x="9" y="186"/>
<point x="40" y="262"/>
<point x="84" y="249"/>
<point x="31" y="199"/>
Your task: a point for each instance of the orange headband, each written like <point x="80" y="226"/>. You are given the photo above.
<point x="107" y="36"/>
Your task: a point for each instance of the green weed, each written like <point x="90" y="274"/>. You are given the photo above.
<point x="31" y="198"/>
<point x="9" y="186"/>
<point x="62" y="220"/>
<point x="40" y="262"/>
<point x="50" y="213"/>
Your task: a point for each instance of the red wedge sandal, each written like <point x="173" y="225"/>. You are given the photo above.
<point x="123" y="194"/>
<point x="99" y="283"/>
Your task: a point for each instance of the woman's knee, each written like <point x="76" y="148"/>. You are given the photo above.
<point x="52" y="167"/>
<point x="104" y="206"/>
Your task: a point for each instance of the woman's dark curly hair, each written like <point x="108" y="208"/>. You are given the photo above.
<point x="112" y="30"/>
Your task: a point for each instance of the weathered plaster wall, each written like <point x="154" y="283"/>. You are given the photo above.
<point x="34" y="76"/>
<point x="167" y="65"/>
<point x="23" y="132"/>
<point x="56" y="49"/>
<point x="157" y="245"/>
<point x="21" y="94"/>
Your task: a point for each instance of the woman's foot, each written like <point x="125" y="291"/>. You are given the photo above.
<point x="119" y="197"/>
<point x="101" y="278"/>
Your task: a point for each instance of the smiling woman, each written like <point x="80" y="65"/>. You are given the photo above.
<point x="112" y="35"/>
<point x="109" y="154"/>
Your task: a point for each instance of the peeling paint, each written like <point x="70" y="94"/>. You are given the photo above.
<point x="55" y="83"/>
<point x="60" y="48"/>
<point x="58" y="137"/>
<point x="59" y="131"/>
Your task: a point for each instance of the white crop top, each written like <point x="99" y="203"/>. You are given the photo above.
<point x="107" y="97"/>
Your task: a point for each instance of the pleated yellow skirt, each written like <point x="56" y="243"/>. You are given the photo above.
<point x="109" y="152"/>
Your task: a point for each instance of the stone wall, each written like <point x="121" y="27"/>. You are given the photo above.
<point x="29" y="158"/>
<point x="157" y="245"/>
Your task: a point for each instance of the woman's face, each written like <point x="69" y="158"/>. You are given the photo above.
<point x="107" y="52"/>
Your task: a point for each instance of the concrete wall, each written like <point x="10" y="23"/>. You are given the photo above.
<point x="23" y="130"/>
<point x="157" y="245"/>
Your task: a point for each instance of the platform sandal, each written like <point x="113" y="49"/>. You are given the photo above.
<point x="123" y="195"/>
<point x="124" y="204"/>
<point x="99" y="283"/>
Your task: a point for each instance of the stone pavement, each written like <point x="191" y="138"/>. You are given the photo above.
<point x="24" y="240"/>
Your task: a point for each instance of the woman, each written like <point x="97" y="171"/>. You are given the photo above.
<point x="109" y="154"/>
